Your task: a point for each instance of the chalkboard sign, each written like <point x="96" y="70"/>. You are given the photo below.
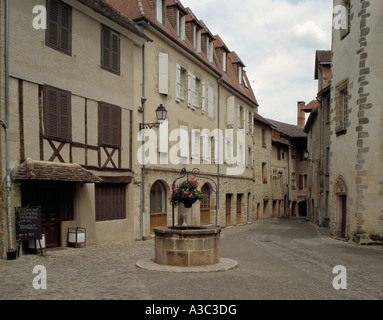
<point x="28" y="222"/>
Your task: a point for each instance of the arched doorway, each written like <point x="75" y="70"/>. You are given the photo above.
<point x="158" y="206"/>
<point x="341" y="196"/>
<point x="205" y="205"/>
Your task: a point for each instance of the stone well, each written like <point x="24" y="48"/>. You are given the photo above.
<point x="187" y="246"/>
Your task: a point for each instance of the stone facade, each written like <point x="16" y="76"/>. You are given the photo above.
<point x="356" y="195"/>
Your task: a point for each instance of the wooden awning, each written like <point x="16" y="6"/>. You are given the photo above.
<point x="54" y="171"/>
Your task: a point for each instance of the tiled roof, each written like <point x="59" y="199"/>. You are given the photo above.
<point x="289" y="129"/>
<point x="53" y="171"/>
<point x="138" y="10"/>
<point x="321" y="57"/>
<point x="104" y="8"/>
<point x="311" y="106"/>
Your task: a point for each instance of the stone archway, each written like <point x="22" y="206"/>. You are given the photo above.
<point x="158" y="205"/>
<point x="340" y="212"/>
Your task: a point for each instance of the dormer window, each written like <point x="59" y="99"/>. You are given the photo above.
<point x="209" y="47"/>
<point x="224" y="61"/>
<point x="196" y="38"/>
<point x="240" y="74"/>
<point x="180" y="25"/>
<point x="160" y="10"/>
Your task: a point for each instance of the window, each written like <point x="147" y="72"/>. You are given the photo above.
<point x="57" y="114"/>
<point x="109" y="125"/>
<point x="264" y="176"/>
<point x="158" y="198"/>
<point x="110" y="50"/>
<point x="209" y="47"/>
<point x="181" y="79"/>
<point x="110" y="202"/>
<point x="341" y="97"/>
<point x="180" y="25"/>
<point x="347" y="30"/>
<point x="160" y="10"/>
<point x="293" y="182"/>
<point x="240" y="74"/>
<point x="224" y="61"/>
<point x="264" y="138"/>
<point x="301" y="182"/>
<point x="59" y="26"/>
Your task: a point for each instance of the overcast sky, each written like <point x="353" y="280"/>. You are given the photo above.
<point x="276" y="40"/>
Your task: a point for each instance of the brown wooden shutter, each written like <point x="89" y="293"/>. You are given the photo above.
<point x="59" y="32"/>
<point x="109" y="125"/>
<point x="57" y="114"/>
<point x="110" y="50"/>
<point x="110" y="202"/>
<point x="66" y="28"/>
<point x="300" y="182"/>
<point x="53" y="23"/>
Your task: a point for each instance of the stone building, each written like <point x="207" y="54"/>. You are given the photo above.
<point x="318" y="142"/>
<point x="356" y="115"/>
<point x="288" y="176"/>
<point x="210" y="104"/>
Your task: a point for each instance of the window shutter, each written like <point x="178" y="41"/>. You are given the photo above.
<point x="194" y="92"/>
<point x="252" y="123"/>
<point x="57" y="113"/>
<point x="66" y="28"/>
<point x="195" y="144"/>
<point x="238" y="116"/>
<point x="203" y="97"/>
<point x="52" y="110"/>
<point x="230" y="111"/>
<point x="53" y="23"/>
<point x="216" y="150"/>
<point x="179" y="82"/>
<point x="109" y="125"/>
<point x="184" y="142"/>
<point x="115" y="51"/>
<point x="244" y="121"/>
<point x="163" y="62"/>
<point x="105" y="50"/>
<point x="110" y="50"/>
<point x="163" y="141"/>
<point x="65" y="116"/>
<point x="190" y="92"/>
<point x="211" y="102"/>
<point x="183" y="19"/>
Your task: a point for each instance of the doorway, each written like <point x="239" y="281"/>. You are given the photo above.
<point x="205" y="206"/>
<point x="343" y="201"/>
<point x="56" y="202"/>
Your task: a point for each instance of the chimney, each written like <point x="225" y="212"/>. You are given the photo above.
<point x="301" y="114"/>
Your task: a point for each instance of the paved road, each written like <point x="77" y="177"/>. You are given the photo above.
<point x="277" y="258"/>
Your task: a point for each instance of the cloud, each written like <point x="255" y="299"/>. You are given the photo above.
<point x="310" y="34"/>
<point x="277" y="40"/>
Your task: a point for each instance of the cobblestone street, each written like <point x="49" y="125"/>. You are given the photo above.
<point x="277" y="259"/>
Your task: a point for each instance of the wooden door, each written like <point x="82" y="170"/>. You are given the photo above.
<point x="239" y="208"/>
<point x="228" y="209"/>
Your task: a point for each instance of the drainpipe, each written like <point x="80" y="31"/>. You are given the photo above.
<point x="142" y="109"/>
<point x="6" y="127"/>
<point x="142" y="193"/>
<point x="219" y="152"/>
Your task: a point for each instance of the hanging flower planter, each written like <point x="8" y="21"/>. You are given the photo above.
<point x="186" y="193"/>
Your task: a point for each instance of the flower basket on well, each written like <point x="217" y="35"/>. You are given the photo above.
<point x="186" y="193"/>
